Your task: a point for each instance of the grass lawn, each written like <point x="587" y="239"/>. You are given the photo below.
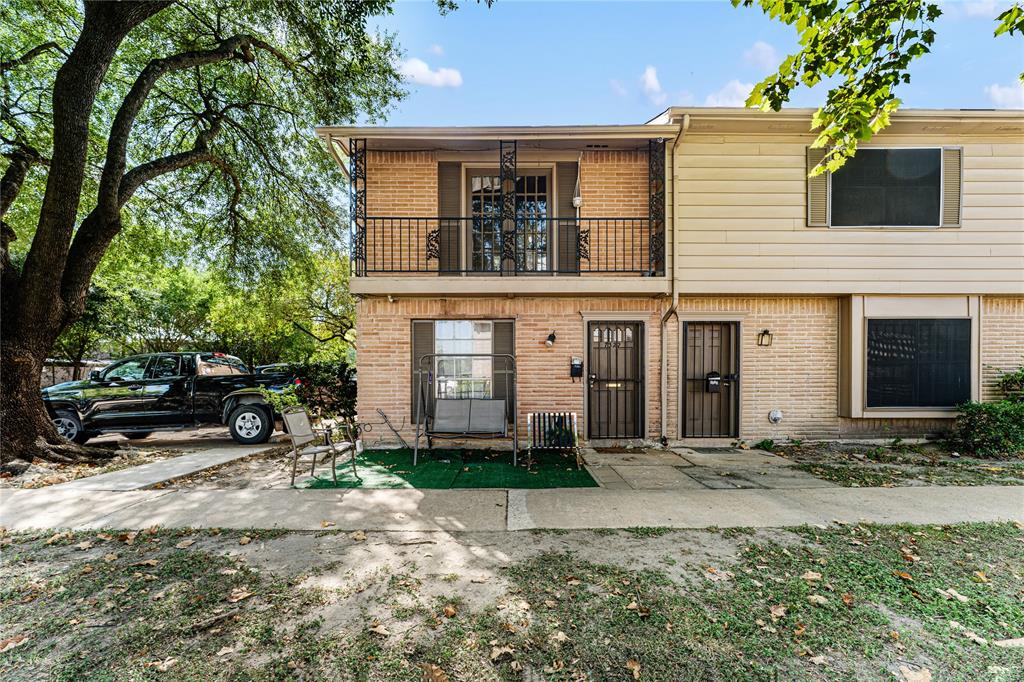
<point x="840" y="603"/>
<point x="458" y="468"/>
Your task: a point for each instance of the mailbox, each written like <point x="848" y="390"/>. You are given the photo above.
<point x="576" y="368"/>
<point x="712" y="382"/>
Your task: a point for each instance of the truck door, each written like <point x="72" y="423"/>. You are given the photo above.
<point x="116" y="399"/>
<point x="166" y="391"/>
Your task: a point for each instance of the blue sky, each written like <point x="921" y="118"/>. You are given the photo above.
<point x="536" y="63"/>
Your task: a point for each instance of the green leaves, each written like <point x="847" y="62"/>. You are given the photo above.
<point x="864" y="48"/>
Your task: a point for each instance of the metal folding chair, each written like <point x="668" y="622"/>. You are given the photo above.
<point x="301" y="433"/>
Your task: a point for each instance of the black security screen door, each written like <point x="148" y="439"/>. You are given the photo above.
<point x="918" y="363"/>
<point x="711" y="391"/>
<point x="893" y="187"/>
<point x="616" y="380"/>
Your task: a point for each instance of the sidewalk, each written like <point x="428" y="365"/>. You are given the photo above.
<point x="488" y="510"/>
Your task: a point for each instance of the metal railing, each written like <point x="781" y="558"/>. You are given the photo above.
<point x="524" y="246"/>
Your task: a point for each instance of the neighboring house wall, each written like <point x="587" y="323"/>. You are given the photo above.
<point x="1002" y="340"/>
<point x="384" y="352"/>
<point x="741" y="224"/>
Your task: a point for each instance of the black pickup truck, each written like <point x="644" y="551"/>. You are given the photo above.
<point x="163" y="392"/>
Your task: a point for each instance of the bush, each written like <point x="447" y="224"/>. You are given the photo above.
<point x="327" y="388"/>
<point x="990" y="429"/>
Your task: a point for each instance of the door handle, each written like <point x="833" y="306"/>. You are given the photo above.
<point x="591" y="378"/>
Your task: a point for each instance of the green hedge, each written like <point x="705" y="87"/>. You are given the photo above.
<point x="990" y="429"/>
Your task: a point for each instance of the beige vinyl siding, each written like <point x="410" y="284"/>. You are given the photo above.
<point x="740" y="204"/>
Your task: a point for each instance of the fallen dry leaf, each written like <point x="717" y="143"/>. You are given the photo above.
<point x="433" y="673"/>
<point x="969" y="634"/>
<point x="146" y="562"/>
<point x="225" y="651"/>
<point x="903" y="574"/>
<point x="162" y="666"/>
<point x="66" y="535"/>
<point x="358" y="536"/>
<point x="848" y="599"/>
<point x="817" y="599"/>
<point x="450" y="610"/>
<point x="227" y="571"/>
<point x="500" y="652"/>
<point x="811" y="576"/>
<point x="559" y="637"/>
<point x="110" y="557"/>
<point x="950" y="593"/>
<point x="84" y="545"/>
<point x="11" y="642"/>
<point x="777" y="611"/>
<point x="238" y="594"/>
<point x="980" y="577"/>
<point x="378" y="629"/>
<point x="327" y="524"/>
<point x="185" y="544"/>
<point x="128" y="538"/>
<point x="633" y="666"/>
<point x="817" y="660"/>
<point x="244" y="540"/>
<point x="921" y="675"/>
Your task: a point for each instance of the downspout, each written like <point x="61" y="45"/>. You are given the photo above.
<point x="675" y="293"/>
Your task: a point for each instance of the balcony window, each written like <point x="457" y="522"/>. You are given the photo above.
<point x="533" y="239"/>
<point x="888" y="187"/>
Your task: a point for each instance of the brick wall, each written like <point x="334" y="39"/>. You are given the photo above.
<point x="797" y="374"/>
<point x="1002" y="340"/>
<point x="614" y="184"/>
<point x="384" y="353"/>
<point x="399" y="184"/>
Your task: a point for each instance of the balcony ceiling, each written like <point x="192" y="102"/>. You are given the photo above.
<point x="463" y="139"/>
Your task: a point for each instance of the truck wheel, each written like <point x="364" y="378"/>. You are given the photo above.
<point x="250" y="424"/>
<point x="70" y="426"/>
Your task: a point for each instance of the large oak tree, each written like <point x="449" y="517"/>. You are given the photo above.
<point x="199" y="112"/>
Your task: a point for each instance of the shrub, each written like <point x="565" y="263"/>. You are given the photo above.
<point x="327" y="388"/>
<point x="990" y="429"/>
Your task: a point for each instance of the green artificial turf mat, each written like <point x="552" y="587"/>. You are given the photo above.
<point x="447" y="469"/>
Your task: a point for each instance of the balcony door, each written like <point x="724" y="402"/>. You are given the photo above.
<point x="533" y="235"/>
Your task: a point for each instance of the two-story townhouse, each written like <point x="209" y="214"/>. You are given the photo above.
<point x="684" y="278"/>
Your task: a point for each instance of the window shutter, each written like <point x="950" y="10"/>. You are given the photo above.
<point x="951" y="186"/>
<point x="503" y="341"/>
<point x="422" y="344"/>
<point x="568" y="228"/>
<point x="449" y="206"/>
<point x="817" y="190"/>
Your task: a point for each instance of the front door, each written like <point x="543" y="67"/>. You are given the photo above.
<point x="615" y="362"/>
<point x="711" y="392"/>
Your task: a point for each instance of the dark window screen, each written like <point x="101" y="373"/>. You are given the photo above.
<point x="919" y="363"/>
<point x="888" y="187"/>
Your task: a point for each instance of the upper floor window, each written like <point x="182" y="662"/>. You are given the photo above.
<point x="888" y="187"/>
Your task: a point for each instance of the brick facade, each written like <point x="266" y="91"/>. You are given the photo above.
<point x="1002" y="340"/>
<point x="614" y="184"/>
<point x="384" y="352"/>
<point x="399" y="185"/>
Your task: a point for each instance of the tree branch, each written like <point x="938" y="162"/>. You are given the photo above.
<point x="30" y="55"/>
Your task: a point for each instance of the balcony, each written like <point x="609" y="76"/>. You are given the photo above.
<point x="523" y="246"/>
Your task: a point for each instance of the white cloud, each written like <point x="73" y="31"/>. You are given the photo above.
<point x="762" y="55"/>
<point x="1006" y="96"/>
<point x="418" y="71"/>
<point x="652" y="87"/>
<point x="732" y="94"/>
<point x="981" y="8"/>
<point x="618" y="89"/>
<point x="436" y="49"/>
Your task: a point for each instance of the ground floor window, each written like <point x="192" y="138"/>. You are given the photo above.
<point x="918" y="362"/>
<point x="463" y="377"/>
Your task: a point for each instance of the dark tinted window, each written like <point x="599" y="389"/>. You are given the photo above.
<point x="918" y="363"/>
<point x="888" y="187"/>
<point x="164" y="366"/>
<point x="131" y="369"/>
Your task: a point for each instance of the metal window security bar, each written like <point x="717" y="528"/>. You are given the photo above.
<point x="466" y="418"/>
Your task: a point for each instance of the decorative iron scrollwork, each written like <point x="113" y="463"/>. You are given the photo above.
<point x="508" y="246"/>
<point x="357" y="204"/>
<point x="583" y="245"/>
<point x="656" y="205"/>
<point x="507" y="173"/>
<point x="434" y="244"/>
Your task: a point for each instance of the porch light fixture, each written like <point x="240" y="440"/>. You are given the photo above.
<point x="764" y="338"/>
<point x="550" y="341"/>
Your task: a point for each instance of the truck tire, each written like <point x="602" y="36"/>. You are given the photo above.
<point x="70" y="426"/>
<point x="250" y="424"/>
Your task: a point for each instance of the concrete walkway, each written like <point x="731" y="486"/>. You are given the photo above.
<point x="488" y="510"/>
<point x="154" y="473"/>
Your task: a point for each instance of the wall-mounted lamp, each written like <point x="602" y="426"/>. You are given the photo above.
<point x="764" y="338"/>
<point x="550" y="341"/>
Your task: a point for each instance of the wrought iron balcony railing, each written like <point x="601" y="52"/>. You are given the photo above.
<point x="523" y="246"/>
